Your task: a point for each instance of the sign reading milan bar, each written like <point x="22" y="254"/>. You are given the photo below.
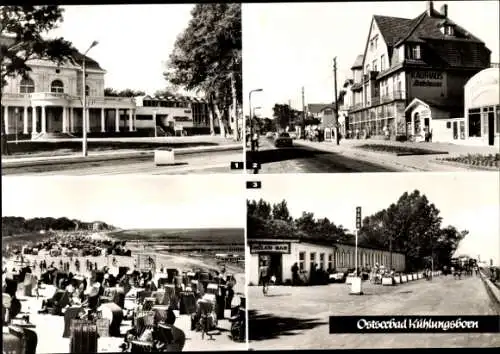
<point x="270" y="247"/>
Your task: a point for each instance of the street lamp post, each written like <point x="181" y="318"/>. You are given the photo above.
<point x="84" y="101"/>
<point x="251" y="117"/>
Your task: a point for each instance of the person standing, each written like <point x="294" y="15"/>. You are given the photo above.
<point x="295" y="274"/>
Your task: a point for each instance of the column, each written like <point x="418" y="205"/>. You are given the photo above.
<point x="103" y="120"/>
<point x="34" y="128"/>
<point x="65" y="120"/>
<point x="130" y="126"/>
<point x="25" y="120"/>
<point x="117" y="120"/>
<point x="87" y="117"/>
<point x="135" y="120"/>
<point x="6" y="118"/>
<point x="43" y="128"/>
<point x="71" y="120"/>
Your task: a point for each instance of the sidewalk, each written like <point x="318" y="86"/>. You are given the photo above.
<point x="413" y="163"/>
<point x="110" y="155"/>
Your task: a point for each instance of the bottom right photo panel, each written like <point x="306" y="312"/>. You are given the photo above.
<point x="373" y="261"/>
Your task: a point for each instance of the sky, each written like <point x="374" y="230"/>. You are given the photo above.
<point x="287" y="46"/>
<point x="130" y="202"/>
<point x="469" y="201"/>
<point x="135" y="41"/>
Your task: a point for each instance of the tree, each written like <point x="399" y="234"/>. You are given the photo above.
<point x="109" y="92"/>
<point x="412" y="225"/>
<point x="21" y="40"/>
<point x="280" y="211"/>
<point x="207" y="58"/>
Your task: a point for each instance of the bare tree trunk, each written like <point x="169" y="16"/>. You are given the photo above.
<point x="221" y="121"/>
<point x="236" y="132"/>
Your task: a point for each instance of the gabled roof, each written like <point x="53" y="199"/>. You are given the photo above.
<point x="394" y="28"/>
<point x="315" y="108"/>
<point x="358" y="63"/>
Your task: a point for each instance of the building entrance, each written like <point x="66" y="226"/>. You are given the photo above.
<point x="274" y="262"/>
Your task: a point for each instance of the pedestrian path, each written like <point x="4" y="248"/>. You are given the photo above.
<point x="410" y="163"/>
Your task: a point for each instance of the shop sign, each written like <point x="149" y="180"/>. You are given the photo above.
<point x="427" y="78"/>
<point x="270" y="247"/>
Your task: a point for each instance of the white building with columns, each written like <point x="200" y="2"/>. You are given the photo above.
<point x="49" y="100"/>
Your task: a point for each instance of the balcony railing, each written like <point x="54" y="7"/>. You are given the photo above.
<point x="60" y="95"/>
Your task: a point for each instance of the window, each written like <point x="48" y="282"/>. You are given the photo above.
<point x="330" y="261"/>
<point x="448" y="30"/>
<point x="27" y="85"/>
<point x="448" y="125"/>
<point x="57" y="86"/>
<point x="302" y="260"/>
<point x="474" y="123"/>
<point x="312" y="260"/>
<point x="342" y="260"/>
<point x="87" y="90"/>
<point x="375" y="65"/>
<point x="375" y="40"/>
<point x="321" y="261"/>
<point x="382" y="62"/>
<point x="58" y="71"/>
<point x="415" y="52"/>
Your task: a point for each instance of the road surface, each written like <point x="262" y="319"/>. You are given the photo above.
<point x="300" y="159"/>
<point x="201" y="163"/>
<point x="297" y="317"/>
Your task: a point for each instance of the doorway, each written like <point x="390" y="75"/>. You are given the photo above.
<point x="455" y="130"/>
<point x="274" y="261"/>
<point x="491" y="128"/>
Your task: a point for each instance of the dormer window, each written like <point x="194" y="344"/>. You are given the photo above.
<point x="448" y="30"/>
<point x="415" y="52"/>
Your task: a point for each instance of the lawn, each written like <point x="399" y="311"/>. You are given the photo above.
<point x="399" y="150"/>
<point x="477" y="160"/>
<point x="61" y="148"/>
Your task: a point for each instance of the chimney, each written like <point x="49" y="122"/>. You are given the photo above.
<point x="444" y="10"/>
<point x="430" y="8"/>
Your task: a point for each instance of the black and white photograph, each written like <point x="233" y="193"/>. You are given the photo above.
<point x="402" y="86"/>
<point x="142" y="264"/>
<point x="371" y="245"/>
<point x="159" y="87"/>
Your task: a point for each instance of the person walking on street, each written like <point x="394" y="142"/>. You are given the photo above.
<point x="264" y="277"/>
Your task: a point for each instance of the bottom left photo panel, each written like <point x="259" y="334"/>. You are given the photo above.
<point x="132" y="264"/>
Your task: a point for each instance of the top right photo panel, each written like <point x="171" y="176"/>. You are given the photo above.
<point x="371" y="86"/>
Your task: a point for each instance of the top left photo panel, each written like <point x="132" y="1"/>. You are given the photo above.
<point x="121" y="89"/>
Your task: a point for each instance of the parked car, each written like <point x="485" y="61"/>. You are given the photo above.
<point x="338" y="277"/>
<point x="269" y="135"/>
<point x="293" y="135"/>
<point x="283" y="139"/>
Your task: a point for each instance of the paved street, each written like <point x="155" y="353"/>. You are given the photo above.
<point x="200" y="163"/>
<point x="303" y="159"/>
<point x="297" y="317"/>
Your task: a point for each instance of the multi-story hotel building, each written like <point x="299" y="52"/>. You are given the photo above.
<point x="49" y="101"/>
<point x="412" y="72"/>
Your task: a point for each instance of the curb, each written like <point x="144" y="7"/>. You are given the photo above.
<point x="364" y="156"/>
<point x="492" y="290"/>
<point x="466" y="166"/>
<point x="116" y="156"/>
